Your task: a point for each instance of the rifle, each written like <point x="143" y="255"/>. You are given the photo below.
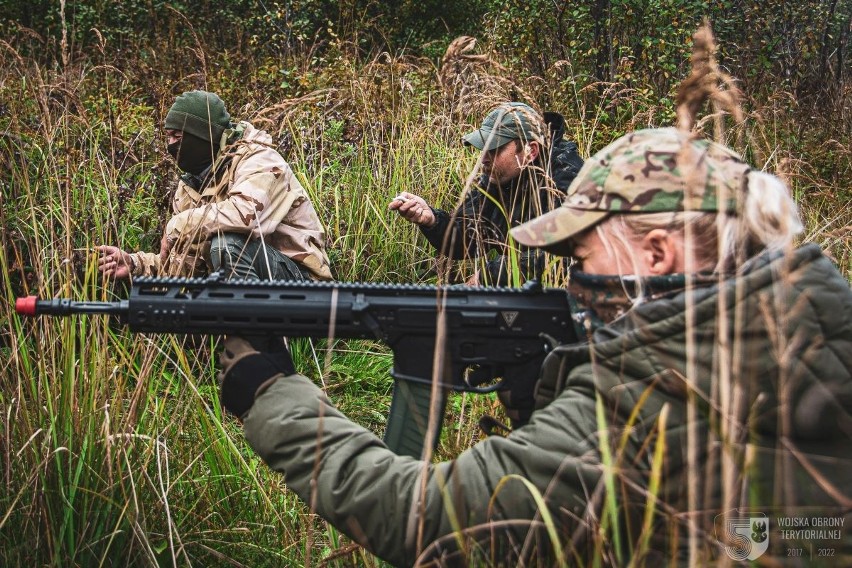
<point x="453" y="337"/>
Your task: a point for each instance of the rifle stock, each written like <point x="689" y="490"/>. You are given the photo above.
<point x="499" y="332"/>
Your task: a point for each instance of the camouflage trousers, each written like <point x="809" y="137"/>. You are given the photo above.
<point x="238" y="257"/>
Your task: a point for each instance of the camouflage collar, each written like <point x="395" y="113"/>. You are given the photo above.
<point x="598" y="300"/>
<point x="646" y="286"/>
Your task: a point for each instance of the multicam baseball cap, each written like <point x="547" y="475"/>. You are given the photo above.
<point x="504" y="123"/>
<point x="647" y="171"/>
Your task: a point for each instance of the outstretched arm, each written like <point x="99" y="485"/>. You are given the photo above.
<point x="396" y="505"/>
<point x="413" y="209"/>
<point x="119" y="264"/>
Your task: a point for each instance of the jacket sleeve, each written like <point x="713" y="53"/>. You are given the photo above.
<point x="457" y="229"/>
<point x="375" y="496"/>
<point x="452" y="248"/>
<point x="145" y="264"/>
<point x="263" y="191"/>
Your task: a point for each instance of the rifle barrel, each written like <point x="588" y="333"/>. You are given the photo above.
<point x="32" y="306"/>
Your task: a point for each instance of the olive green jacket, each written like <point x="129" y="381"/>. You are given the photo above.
<point x="773" y="349"/>
<point x="258" y="195"/>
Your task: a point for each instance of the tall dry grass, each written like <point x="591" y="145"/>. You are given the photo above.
<point x="115" y="450"/>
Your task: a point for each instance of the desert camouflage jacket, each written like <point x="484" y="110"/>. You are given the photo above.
<point x="629" y="423"/>
<point x="254" y="192"/>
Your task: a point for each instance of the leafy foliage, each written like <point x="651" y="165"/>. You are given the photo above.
<point x="806" y="45"/>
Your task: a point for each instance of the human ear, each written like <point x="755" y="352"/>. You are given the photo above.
<point x="531" y="152"/>
<point x="661" y="253"/>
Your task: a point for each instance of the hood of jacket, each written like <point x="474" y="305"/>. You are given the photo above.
<point x="754" y="374"/>
<point x="235" y="141"/>
<point x="565" y="160"/>
<point x="780" y="334"/>
<point x="775" y="341"/>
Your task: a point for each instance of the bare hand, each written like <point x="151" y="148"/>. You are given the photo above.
<point x="114" y="262"/>
<point x="414" y="209"/>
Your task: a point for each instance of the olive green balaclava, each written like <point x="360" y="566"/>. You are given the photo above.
<point x="201" y="114"/>
<point x="202" y="118"/>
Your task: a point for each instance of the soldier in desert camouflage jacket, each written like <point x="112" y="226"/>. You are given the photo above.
<point x="238" y="207"/>
<point x="716" y="380"/>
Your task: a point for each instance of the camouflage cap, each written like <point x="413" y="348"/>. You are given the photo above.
<point x="647" y="171"/>
<point x="506" y="122"/>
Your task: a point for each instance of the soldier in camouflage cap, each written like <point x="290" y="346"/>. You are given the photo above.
<point x="719" y="386"/>
<point x="526" y="165"/>
<point x="647" y="171"/>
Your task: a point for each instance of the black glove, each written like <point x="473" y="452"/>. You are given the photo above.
<point x="518" y="397"/>
<point x="519" y="406"/>
<point x="245" y="369"/>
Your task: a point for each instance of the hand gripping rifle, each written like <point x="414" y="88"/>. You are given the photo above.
<point x="461" y="338"/>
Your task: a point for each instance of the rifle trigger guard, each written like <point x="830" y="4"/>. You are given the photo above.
<point x="484" y="390"/>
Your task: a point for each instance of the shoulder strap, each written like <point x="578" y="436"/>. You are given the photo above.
<point x="186" y="188"/>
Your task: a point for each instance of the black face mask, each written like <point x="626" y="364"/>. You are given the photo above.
<point x="193" y="154"/>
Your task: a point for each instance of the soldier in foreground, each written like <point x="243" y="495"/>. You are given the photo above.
<point x="714" y="387"/>
<point x="238" y="207"/>
<point x="526" y="168"/>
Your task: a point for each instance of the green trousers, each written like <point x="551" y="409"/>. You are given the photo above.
<point x="238" y="257"/>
